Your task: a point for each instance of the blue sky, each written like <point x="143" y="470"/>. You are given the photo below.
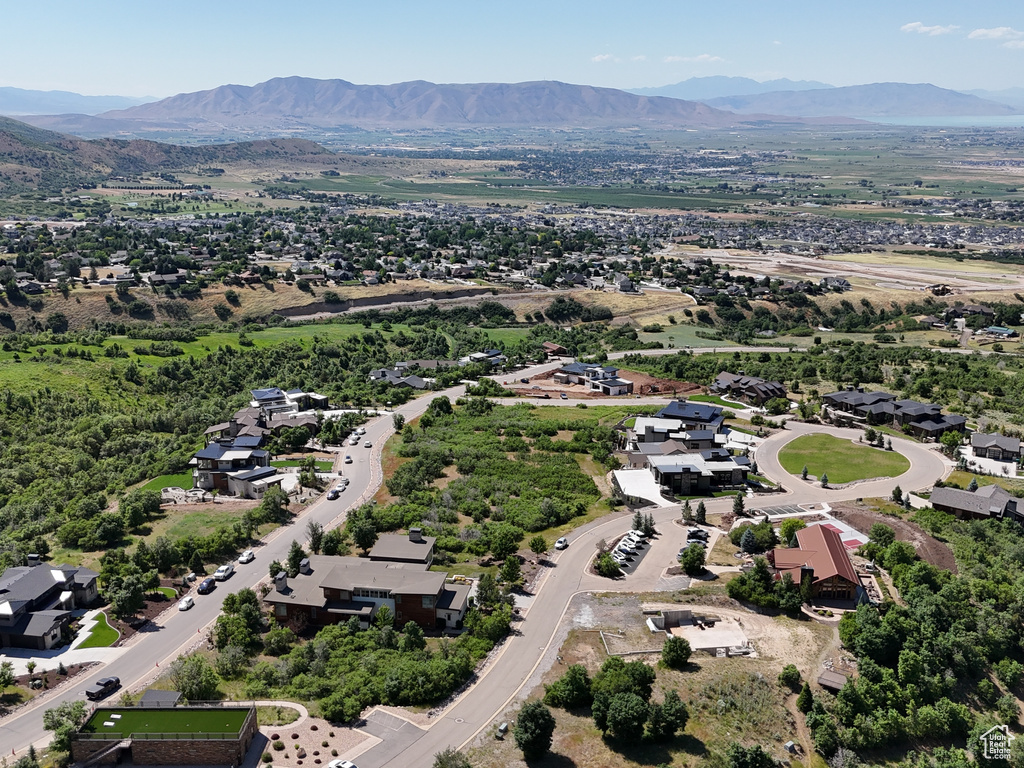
<point x="149" y="48"/>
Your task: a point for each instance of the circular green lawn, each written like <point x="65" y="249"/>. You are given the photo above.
<point x="840" y="459"/>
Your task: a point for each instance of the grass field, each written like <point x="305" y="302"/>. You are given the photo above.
<point x="713" y="399"/>
<point x="167" y="721"/>
<point x="841" y="460"/>
<point x="102" y="635"/>
<point x="180" y="480"/>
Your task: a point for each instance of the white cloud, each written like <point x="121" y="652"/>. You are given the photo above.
<point x="776" y="42"/>
<point x="996" y="33"/>
<point x="602" y="57"/>
<point x="922" y="29"/>
<point x="1014" y="44"/>
<point x="704" y="58"/>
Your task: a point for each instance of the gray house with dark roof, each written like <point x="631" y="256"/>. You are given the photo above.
<point x="923" y="420"/>
<point x="752" y="388"/>
<point x="988" y="501"/>
<point x="998" y="447"/>
<point x="36" y="603"/>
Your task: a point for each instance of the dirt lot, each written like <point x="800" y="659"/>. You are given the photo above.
<point x="643" y="384"/>
<point x="928" y="548"/>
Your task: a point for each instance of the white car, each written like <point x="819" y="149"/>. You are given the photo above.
<point x="348" y="459"/>
<point x="341" y="764"/>
<point x="359" y="431"/>
<point x="186" y="602"/>
<point x="224" y="572"/>
<point x="367" y="444"/>
<point x="354" y="440"/>
<point x="247" y="557"/>
<point x="562" y="543"/>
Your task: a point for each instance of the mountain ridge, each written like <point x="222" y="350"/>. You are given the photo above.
<point x="22" y="101"/>
<point x="717" y="86"/>
<point x="866" y="101"/>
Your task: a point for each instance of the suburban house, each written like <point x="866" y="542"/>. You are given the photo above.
<point x="649" y="429"/>
<point x="597" y="378"/>
<point x="273" y="401"/>
<point x="988" y="501"/>
<point x="234" y="465"/>
<point x="694" y="474"/>
<point x="553" y="350"/>
<point x="967" y="310"/>
<point x="405" y="366"/>
<point x="924" y="420"/>
<point x="819" y="554"/>
<point x="396" y="379"/>
<point x="332" y="590"/>
<point x="751" y="388"/>
<point x="36" y="601"/>
<point x="694" y="416"/>
<point x="492" y="356"/>
<point x="998" y="447"/>
<point x="835" y="284"/>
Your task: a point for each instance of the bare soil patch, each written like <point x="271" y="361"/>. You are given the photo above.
<point x="929" y="549"/>
<point x="643" y="384"/>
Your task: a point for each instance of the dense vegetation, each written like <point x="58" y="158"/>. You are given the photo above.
<point x="479" y="439"/>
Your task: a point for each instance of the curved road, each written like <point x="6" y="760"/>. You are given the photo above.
<point x="175" y="633"/>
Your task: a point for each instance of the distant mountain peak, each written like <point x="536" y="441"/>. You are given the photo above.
<point x="715" y="86"/>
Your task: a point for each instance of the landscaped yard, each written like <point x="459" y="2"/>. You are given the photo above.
<point x="102" y="635"/>
<point x="321" y="466"/>
<point x="842" y="460"/>
<point x="714" y="400"/>
<point x="180" y="480"/>
<point x="963" y="479"/>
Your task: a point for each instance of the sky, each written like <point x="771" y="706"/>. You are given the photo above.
<point x="146" y="48"/>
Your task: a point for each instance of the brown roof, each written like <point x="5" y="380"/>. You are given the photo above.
<point x="398" y="548"/>
<point x="819" y="548"/>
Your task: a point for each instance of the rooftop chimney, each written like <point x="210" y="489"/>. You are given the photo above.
<point x="416" y="534"/>
<point x="281" y="582"/>
<point x="34" y="560"/>
<point x="304" y="566"/>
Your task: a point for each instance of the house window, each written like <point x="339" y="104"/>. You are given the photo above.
<point x="312" y="613"/>
<point x="281" y="610"/>
<point x="428" y="601"/>
<point x="398" y="599"/>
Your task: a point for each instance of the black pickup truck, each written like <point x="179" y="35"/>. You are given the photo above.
<point x="102" y="688"/>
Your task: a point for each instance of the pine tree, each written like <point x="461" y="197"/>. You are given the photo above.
<point x="738" y="507"/>
<point x="973" y="485"/>
<point x="638" y="521"/>
<point x="702" y="514"/>
<point x="805" y="700"/>
<point x="687" y="512"/>
<point x="803" y="473"/>
<point x="824" y="479"/>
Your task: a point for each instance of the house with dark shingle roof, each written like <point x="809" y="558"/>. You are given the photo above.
<point x="751" y="388"/>
<point x="988" y="501"/>
<point x="998" y="447"/>
<point x="36" y="602"/>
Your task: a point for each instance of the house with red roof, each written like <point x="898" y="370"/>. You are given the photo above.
<point x="819" y="554"/>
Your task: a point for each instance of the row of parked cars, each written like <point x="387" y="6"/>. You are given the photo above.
<point x="628" y="548"/>
<point x="694" y="536"/>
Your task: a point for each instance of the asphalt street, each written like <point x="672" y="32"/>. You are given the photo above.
<point x="174" y="633"/>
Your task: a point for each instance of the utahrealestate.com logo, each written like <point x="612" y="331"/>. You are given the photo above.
<point x="995" y="742"/>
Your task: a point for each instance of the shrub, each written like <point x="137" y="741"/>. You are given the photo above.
<point x="790" y="676"/>
<point x="278" y="745"/>
<point x="676" y="652"/>
<point x="606" y="566"/>
<point x="533" y="730"/>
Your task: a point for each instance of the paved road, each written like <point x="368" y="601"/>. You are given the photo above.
<point x="176" y="633"/>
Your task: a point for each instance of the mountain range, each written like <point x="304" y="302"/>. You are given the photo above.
<point x="716" y="86"/>
<point x="297" y="103"/>
<point x="19" y="101"/>
<point x="865" y="101"/>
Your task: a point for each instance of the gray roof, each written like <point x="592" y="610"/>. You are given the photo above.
<point x="28" y="584"/>
<point x="255" y="474"/>
<point x="1006" y="443"/>
<point x="987" y="500"/>
<point x="155" y="698"/>
<point x="454" y="597"/>
<point x="399" y="548"/>
<point x="37" y="623"/>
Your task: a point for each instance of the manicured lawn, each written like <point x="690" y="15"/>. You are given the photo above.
<point x="165" y="721"/>
<point x="964" y="479"/>
<point x="841" y="460"/>
<point x="321" y="466"/>
<point x="102" y="635"/>
<point x="714" y="400"/>
<point x="181" y="480"/>
<point x="167" y="592"/>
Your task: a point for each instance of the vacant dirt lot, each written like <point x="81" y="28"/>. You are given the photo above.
<point x="643" y="384"/>
<point x="928" y="548"/>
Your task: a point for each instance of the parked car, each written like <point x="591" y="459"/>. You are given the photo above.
<point x="341" y="764"/>
<point x="634" y="540"/>
<point x="186" y="603"/>
<point x="344" y="482"/>
<point x="333" y="494"/>
<point x="348" y="459"/>
<point x="562" y="543"/>
<point x="360" y="430"/>
<point x="564" y="396"/>
<point x="206" y="586"/>
<point x="696" y="533"/>
<point x="354" y="440"/>
<point x="638" y="534"/>
<point x="247" y="557"/>
<point x="102" y="688"/>
<point x="367" y="444"/>
<point x="224" y="572"/>
<point x="525" y="381"/>
<point x="625" y="546"/>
